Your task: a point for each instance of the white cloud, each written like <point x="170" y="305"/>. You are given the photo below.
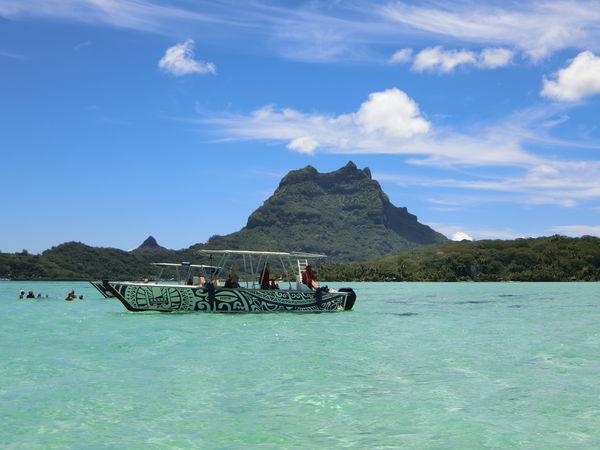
<point x="179" y="60"/>
<point x="461" y="236"/>
<point x="539" y="28"/>
<point x="577" y="230"/>
<point x="491" y="58"/>
<point x="388" y="122"/>
<point x="473" y="234"/>
<point x="392" y="113"/>
<point x="385" y="119"/>
<point x="304" y="144"/>
<point x="437" y="59"/>
<point x="401" y="56"/>
<point x="581" y="78"/>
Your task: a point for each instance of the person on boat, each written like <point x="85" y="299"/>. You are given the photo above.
<point x="308" y="278"/>
<point x="264" y="277"/>
<point x="273" y="285"/>
<point x="233" y="279"/>
<point x="30" y="294"/>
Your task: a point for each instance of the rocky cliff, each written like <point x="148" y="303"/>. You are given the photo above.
<point x="344" y="214"/>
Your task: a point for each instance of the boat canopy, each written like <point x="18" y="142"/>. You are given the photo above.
<point x="260" y="252"/>
<point x="184" y="264"/>
<point x="292" y="264"/>
<point x="184" y="277"/>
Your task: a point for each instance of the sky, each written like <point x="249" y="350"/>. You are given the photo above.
<point x="177" y="119"/>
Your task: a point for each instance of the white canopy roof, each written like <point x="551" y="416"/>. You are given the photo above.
<point x="258" y="252"/>
<point x="183" y="264"/>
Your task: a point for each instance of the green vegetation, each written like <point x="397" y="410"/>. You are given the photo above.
<point x="343" y="214"/>
<point x="554" y="258"/>
<point x="76" y="261"/>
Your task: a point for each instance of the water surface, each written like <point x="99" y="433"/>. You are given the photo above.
<point x="415" y="365"/>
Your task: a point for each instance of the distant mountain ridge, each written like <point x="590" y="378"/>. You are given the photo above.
<point x="344" y="214"/>
<point x="150" y="244"/>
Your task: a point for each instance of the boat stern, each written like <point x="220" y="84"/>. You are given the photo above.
<point x="350" y="298"/>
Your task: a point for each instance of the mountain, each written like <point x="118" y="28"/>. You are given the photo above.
<point x="150" y="244"/>
<point x="344" y="214"/>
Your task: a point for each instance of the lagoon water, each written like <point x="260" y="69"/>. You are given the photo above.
<point x="415" y="365"/>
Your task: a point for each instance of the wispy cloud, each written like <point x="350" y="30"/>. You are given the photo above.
<point x="552" y="182"/>
<point x="539" y="28"/>
<point x="401" y="56"/>
<point x="144" y="15"/>
<point x="332" y="31"/>
<point x="13" y="55"/>
<point x="82" y="45"/>
<point x="179" y="60"/>
<point x="577" y="230"/>
<point x="437" y="59"/>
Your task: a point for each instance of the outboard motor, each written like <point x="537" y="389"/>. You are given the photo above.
<point x="350" y="299"/>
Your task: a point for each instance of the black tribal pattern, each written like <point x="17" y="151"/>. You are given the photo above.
<point x="140" y="297"/>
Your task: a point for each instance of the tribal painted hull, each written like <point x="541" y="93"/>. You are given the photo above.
<point x="153" y="297"/>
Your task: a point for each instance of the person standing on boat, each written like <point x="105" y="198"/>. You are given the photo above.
<point x="233" y="279"/>
<point x="264" y="278"/>
<point x="308" y="278"/>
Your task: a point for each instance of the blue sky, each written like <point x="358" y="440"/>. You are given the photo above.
<point x="121" y="119"/>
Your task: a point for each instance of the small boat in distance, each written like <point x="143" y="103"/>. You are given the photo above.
<point x="208" y="293"/>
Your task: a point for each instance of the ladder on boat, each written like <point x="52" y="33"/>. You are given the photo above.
<point x="302" y="263"/>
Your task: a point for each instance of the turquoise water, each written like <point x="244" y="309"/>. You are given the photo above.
<point x="415" y="365"/>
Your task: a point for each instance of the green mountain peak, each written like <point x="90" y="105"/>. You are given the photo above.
<point x="343" y="213"/>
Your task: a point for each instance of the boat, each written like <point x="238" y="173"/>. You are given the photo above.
<point x="210" y="295"/>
